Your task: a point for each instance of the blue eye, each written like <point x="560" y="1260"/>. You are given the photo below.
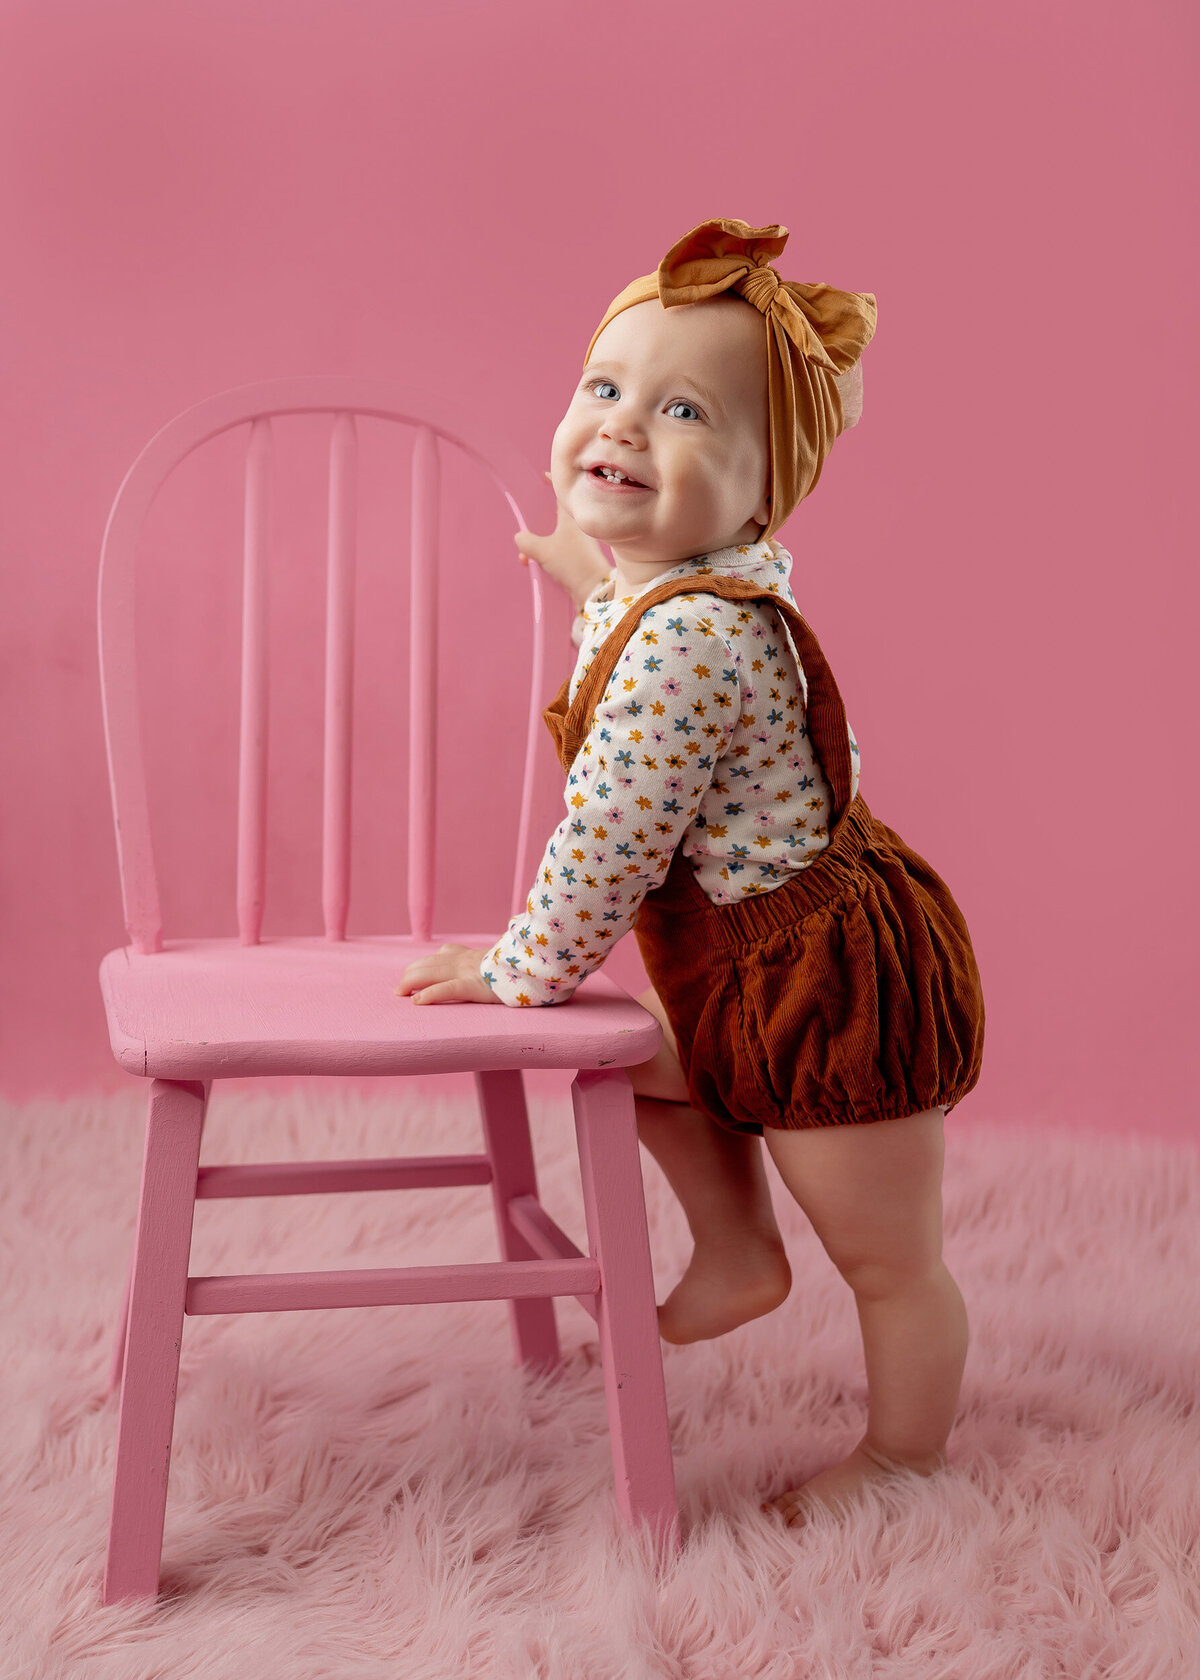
<point x="682" y="404"/>
<point x="606" y="382"/>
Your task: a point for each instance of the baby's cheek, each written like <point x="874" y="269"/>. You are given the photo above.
<point x="564" y="446"/>
<point x="745" y="476"/>
<point x="705" y="492"/>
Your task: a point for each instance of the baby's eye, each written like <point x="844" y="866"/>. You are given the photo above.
<point x="599" y="386"/>
<point x="695" y="413"/>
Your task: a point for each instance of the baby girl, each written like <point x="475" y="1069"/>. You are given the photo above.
<point x="814" y="977"/>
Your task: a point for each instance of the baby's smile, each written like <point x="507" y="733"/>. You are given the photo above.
<point x="607" y="478"/>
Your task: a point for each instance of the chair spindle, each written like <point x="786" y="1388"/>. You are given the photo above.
<point x="252" y="761"/>
<point x="339" y="674"/>
<point x="422" y="761"/>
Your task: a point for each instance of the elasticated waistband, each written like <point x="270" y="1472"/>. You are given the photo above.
<point x="831" y="875"/>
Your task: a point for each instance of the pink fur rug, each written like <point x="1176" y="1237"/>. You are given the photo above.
<point x="376" y="1494"/>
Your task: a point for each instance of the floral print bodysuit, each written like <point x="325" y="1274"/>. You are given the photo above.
<point x="699" y="741"/>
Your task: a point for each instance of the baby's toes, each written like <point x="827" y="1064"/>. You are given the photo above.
<point x="792" y="1506"/>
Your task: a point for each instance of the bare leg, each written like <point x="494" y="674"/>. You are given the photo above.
<point x="873" y="1194"/>
<point x="739" y="1269"/>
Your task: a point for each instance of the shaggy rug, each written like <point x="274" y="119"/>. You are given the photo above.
<point x="378" y="1495"/>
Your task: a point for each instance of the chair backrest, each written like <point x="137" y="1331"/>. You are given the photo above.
<point x="254" y="406"/>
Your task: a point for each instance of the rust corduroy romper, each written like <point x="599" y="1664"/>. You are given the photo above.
<point x="851" y="993"/>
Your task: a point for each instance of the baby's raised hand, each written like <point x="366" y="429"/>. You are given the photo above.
<point x="448" y="975"/>
<point x="567" y="555"/>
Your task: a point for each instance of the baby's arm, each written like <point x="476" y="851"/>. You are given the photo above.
<point x="635" y="786"/>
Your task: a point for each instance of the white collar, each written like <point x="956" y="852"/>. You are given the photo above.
<point x="739" y="557"/>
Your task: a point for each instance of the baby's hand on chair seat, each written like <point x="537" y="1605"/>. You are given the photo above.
<point x="448" y="975"/>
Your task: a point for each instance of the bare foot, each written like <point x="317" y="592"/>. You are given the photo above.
<point x="724" y="1287"/>
<point x="836" y="1487"/>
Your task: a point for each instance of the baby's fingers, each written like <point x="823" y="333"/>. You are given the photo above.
<point x="424" y="972"/>
<point x="448" y="975"/>
<point x="527" y="541"/>
<point x="447" y="991"/>
<point x="422" y="986"/>
<point x="530" y="547"/>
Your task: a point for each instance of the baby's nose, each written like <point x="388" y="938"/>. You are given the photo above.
<point x="624" y="428"/>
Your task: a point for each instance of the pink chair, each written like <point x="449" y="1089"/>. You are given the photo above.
<point x="183" y="1012"/>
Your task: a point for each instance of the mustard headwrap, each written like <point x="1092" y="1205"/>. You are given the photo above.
<point x="815" y="334"/>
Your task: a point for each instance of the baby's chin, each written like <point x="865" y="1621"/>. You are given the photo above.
<point x="599" y="526"/>
<point x="603" y="523"/>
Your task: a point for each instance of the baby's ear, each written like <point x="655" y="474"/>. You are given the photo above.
<point x="850" y="390"/>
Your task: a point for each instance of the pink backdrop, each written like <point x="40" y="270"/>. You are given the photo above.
<point x="449" y="193"/>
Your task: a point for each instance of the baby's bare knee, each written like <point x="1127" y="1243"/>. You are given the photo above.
<point x="661" y="1076"/>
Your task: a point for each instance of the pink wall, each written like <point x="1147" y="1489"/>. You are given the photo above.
<point x="450" y="193"/>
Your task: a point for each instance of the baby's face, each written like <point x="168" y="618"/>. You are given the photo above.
<point x="677" y="399"/>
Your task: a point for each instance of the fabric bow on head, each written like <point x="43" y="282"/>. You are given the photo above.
<point x="815" y="337"/>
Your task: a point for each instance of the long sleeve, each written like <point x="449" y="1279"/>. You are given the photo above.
<point x="666" y="716"/>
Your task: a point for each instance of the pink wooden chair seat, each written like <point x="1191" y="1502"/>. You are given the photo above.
<point x="185" y="1012"/>
<point x="213" y="1009"/>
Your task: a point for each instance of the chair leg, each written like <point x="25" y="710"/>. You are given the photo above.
<point x="510" y="1149"/>
<point x="630" y="1347"/>
<point x="158" y="1288"/>
<point x="117" y="1367"/>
